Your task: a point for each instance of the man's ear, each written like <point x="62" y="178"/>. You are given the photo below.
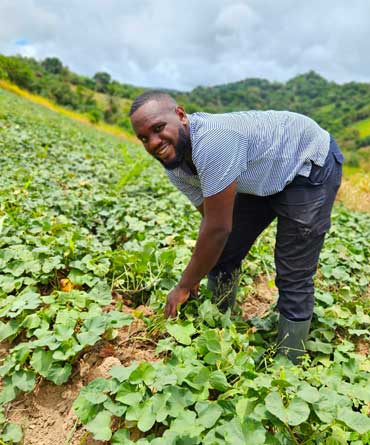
<point x="179" y="110"/>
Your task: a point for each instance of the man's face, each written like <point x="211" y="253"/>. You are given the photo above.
<point x="161" y="127"/>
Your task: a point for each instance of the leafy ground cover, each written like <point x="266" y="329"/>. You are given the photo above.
<point x="89" y="232"/>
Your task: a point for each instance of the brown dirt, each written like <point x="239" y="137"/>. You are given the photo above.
<point x="46" y="414"/>
<point x="258" y="300"/>
<point x="363" y="347"/>
<point x="4" y="348"/>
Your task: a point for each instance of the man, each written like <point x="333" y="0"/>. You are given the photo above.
<point x="241" y="171"/>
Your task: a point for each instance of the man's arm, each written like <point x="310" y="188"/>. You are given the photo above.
<point x="214" y="230"/>
<point x="201" y="209"/>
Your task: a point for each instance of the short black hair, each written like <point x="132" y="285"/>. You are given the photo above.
<point x="159" y="96"/>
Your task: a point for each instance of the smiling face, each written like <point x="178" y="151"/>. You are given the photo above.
<point x="163" y="129"/>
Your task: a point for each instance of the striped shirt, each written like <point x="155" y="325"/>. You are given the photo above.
<point x="262" y="151"/>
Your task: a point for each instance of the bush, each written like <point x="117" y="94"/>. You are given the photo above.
<point x="3" y="74"/>
<point x="363" y="142"/>
<point x="95" y="115"/>
<point x="125" y="123"/>
<point x="352" y="160"/>
<point x="17" y="72"/>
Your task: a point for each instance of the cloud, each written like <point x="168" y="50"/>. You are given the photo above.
<point x="181" y="45"/>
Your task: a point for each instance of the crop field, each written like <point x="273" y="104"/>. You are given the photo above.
<point x="92" y="238"/>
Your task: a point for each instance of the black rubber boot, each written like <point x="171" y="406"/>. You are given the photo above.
<point x="224" y="292"/>
<point x="291" y="339"/>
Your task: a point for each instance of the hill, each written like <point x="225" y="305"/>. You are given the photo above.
<point x="344" y="110"/>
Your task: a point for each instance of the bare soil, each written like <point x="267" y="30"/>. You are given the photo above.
<point x="363" y="347"/>
<point x="257" y="302"/>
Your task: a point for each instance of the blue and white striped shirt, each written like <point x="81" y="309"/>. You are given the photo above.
<point x="262" y="150"/>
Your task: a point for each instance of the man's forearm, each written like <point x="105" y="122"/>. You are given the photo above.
<point x="209" y="246"/>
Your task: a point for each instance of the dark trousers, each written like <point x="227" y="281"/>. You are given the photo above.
<point x="303" y="211"/>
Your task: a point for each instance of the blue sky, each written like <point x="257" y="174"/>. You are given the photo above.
<point x="173" y="44"/>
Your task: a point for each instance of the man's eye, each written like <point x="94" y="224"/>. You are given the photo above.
<point x="158" y="128"/>
<point x="144" y="140"/>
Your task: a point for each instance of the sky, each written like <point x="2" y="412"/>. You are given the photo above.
<point x="183" y="44"/>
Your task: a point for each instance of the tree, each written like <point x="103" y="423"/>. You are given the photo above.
<point x="17" y="72"/>
<point x="52" y="65"/>
<point x="102" y="80"/>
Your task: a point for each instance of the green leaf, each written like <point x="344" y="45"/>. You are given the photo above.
<point x="101" y="293"/>
<point x="328" y="404"/>
<point x="63" y="332"/>
<point x="245" y="406"/>
<point x="147" y="416"/>
<point x="116" y="319"/>
<point x="181" y="332"/>
<point x="59" y="374"/>
<point x="121" y="437"/>
<point x="88" y="338"/>
<point x="308" y="393"/>
<point x="95" y="396"/>
<point x="24" y="380"/>
<point x="250" y="432"/>
<point x="2" y="417"/>
<point x="116" y="409"/>
<point x="122" y="373"/>
<point x="27" y="300"/>
<point x="8" y="329"/>
<point x="325" y="297"/>
<point x="275" y="406"/>
<point x="84" y="409"/>
<point x="143" y="373"/>
<point x="41" y="361"/>
<point x="67" y="317"/>
<point x="159" y="406"/>
<point x="129" y="398"/>
<point x="99" y="427"/>
<point x="209" y="312"/>
<point x="186" y="425"/>
<point x="319" y="346"/>
<point x="213" y="341"/>
<point x="356" y="421"/>
<point x="218" y="381"/>
<point x="296" y="413"/>
<point x="164" y="345"/>
<point x="8" y="392"/>
<point x="208" y="413"/>
<point x="92" y="330"/>
<point x="32" y="321"/>
<point x="12" y="433"/>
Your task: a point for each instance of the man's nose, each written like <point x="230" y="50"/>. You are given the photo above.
<point x="153" y="143"/>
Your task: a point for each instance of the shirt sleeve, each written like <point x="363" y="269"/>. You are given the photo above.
<point x="191" y="191"/>
<point x="218" y="160"/>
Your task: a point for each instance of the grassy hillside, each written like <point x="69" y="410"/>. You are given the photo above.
<point x="363" y="127"/>
<point x="90" y="230"/>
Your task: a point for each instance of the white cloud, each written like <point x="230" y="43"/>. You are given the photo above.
<point x="180" y="45"/>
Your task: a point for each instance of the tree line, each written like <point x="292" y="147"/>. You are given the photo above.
<point x="335" y="107"/>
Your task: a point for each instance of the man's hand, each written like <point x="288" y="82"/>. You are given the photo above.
<point x="177" y="296"/>
<point x="194" y="291"/>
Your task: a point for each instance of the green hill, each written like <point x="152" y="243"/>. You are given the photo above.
<point x="344" y="109"/>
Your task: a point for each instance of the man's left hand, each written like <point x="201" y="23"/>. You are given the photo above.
<point x="176" y="297"/>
